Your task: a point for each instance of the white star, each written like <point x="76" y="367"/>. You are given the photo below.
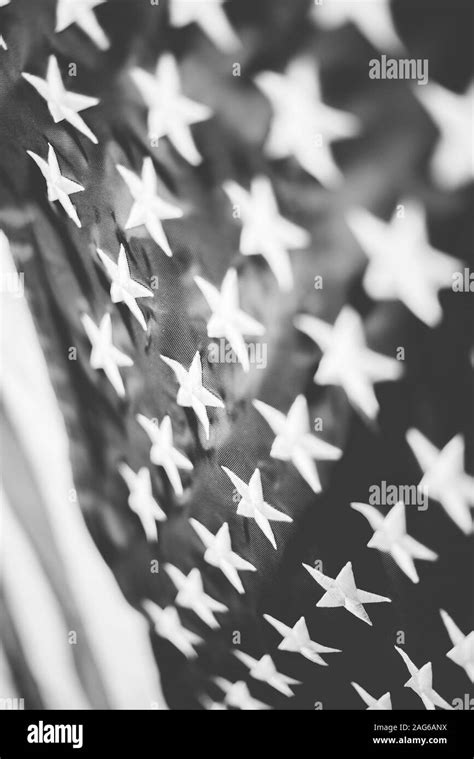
<point x="170" y="112"/>
<point x="452" y="164"/>
<point x="212" y="706"/>
<point x="402" y="263"/>
<point x="191" y="595"/>
<point x="219" y="553"/>
<point x="383" y="703"/>
<point x="123" y="288"/>
<point x="3" y="44"/>
<point x="297" y="639"/>
<point x="167" y="624"/>
<point x="390" y="536"/>
<point x="58" y="187"/>
<point x="302" y="125"/>
<point x="62" y="105"/>
<point x="80" y="12"/>
<point x="264" y="232"/>
<point x="163" y="453"/>
<point x="141" y="499"/>
<point x="4" y="2"/>
<point x="294" y="442"/>
<point x="264" y="670"/>
<point x="444" y="477"/>
<point x="343" y="592"/>
<point x="238" y="695"/>
<point x="373" y="19"/>
<point x="210" y="16"/>
<point x="148" y="209"/>
<point x="462" y="652"/>
<point x="104" y="354"/>
<point x="346" y="359"/>
<point x="421" y="682"/>
<point x="191" y="393"/>
<point x="227" y="319"/>
<point x="252" y="505"/>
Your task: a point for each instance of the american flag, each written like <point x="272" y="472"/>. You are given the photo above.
<point x="237" y="354"/>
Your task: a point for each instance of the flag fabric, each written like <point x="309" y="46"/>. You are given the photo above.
<point x="238" y="354"/>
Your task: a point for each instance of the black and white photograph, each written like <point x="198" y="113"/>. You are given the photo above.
<point x="237" y="360"/>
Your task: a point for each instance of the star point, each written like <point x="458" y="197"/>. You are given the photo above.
<point x="167" y="624"/>
<point x="142" y="501"/>
<point x="421" y="682"/>
<point x="296" y="639"/>
<point x="452" y="165"/>
<point x="264" y="669"/>
<point x="444" y="478"/>
<point x="192" y="393"/>
<point x="462" y="652"/>
<point x="210" y="16"/>
<point x="347" y="361"/>
<point x="124" y="289"/>
<point x="264" y="231"/>
<point x="104" y="354"/>
<point x="253" y="506"/>
<point x="390" y="536"/>
<point x="228" y="320"/>
<point x="58" y="187"/>
<point x="163" y="453"/>
<point x="342" y="591"/>
<point x="170" y="113"/>
<point x="80" y="12"/>
<point x="402" y="263"/>
<point x="383" y="703"/>
<point x="148" y="209"/>
<point x="294" y="441"/>
<point x="238" y="696"/>
<point x="373" y="19"/>
<point x="219" y="553"/>
<point x="302" y="126"/>
<point x="62" y="104"/>
<point x="191" y="595"/>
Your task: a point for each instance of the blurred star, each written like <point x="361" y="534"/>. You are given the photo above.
<point x="104" y="354"/>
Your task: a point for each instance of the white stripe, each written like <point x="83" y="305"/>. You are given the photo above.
<point x="118" y="635"/>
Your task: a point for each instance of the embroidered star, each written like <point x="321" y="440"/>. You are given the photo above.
<point x="383" y="703"/>
<point x="228" y="320"/>
<point x="191" y="393"/>
<point x="402" y="263"/>
<point x="170" y="113"/>
<point x="163" y="453"/>
<point x="264" y="232"/>
<point x="462" y="652"/>
<point x="123" y="288"/>
<point x="238" y="696"/>
<point x="148" y="210"/>
<point x="253" y="506"/>
<point x="421" y="682"/>
<point x="219" y="553"/>
<point x="210" y="16"/>
<point x="264" y="670"/>
<point x="302" y="125"/>
<point x="373" y="19"/>
<point x="444" y="477"/>
<point x="62" y="105"/>
<point x="294" y="442"/>
<point x="390" y="536"/>
<point x="80" y="12"/>
<point x="104" y="354"/>
<point x="167" y="624"/>
<point x="297" y="639"/>
<point x="58" y="187"/>
<point x="451" y="166"/>
<point x="346" y="359"/>
<point x="343" y="592"/>
<point x="191" y="595"/>
<point x="141" y="499"/>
